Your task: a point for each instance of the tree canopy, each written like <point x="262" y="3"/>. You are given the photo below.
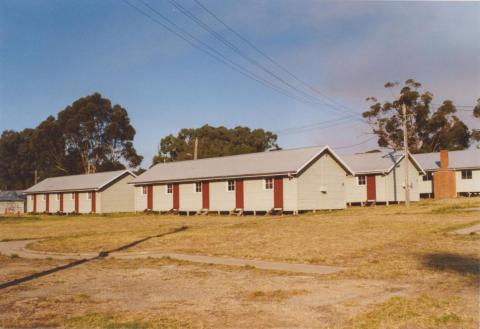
<point x="476" y="114"/>
<point x="429" y="130"/>
<point x="88" y="136"/>
<point x="214" y="142"/>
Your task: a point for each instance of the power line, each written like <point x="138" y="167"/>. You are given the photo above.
<point x="269" y="58"/>
<point x="205" y="48"/>
<point x="307" y="129"/>
<point x="311" y="125"/>
<point x="237" y="50"/>
<point x="353" y="145"/>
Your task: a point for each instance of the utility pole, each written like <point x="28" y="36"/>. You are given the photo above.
<point x="36" y="177"/>
<point x="195" y="152"/>
<point x="405" y="153"/>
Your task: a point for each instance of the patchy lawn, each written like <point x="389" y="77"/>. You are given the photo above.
<point x="404" y="269"/>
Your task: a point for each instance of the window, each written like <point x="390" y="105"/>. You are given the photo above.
<point x="44" y="197"/>
<point x="231" y="185"/>
<point x="72" y="196"/>
<point x="428" y="176"/>
<point x="169" y="188"/>
<point x="31" y="197"/>
<point x="268" y="183"/>
<point x="58" y="196"/>
<point x="144" y="190"/>
<point x="198" y="187"/>
<point x="466" y="174"/>
<point x="361" y="180"/>
<point x="89" y="195"/>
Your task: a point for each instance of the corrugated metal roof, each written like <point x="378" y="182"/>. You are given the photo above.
<point x="456" y="159"/>
<point x="244" y="165"/>
<point x="76" y="182"/>
<point x="12" y="196"/>
<point x="377" y="162"/>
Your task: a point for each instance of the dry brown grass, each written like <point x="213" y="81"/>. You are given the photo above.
<point x="411" y="247"/>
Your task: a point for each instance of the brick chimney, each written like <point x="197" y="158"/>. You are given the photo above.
<point x="444" y="160"/>
<point x="444" y="183"/>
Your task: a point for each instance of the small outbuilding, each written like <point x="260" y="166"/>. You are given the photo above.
<point x="12" y="202"/>
<point x="380" y="178"/>
<point x="275" y="181"/>
<point x="104" y="192"/>
<point x="465" y="168"/>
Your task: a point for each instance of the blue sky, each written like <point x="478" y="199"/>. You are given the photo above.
<point x="53" y="52"/>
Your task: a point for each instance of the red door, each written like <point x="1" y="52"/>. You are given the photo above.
<point x="47" y="202"/>
<point x="77" y="206"/>
<point x="176" y="196"/>
<point x="371" y="188"/>
<point x="278" y="192"/>
<point x="34" y="203"/>
<point x="239" y="194"/>
<point x="94" y="201"/>
<point x="61" y="202"/>
<point x="149" y="197"/>
<point x="205" y="195"/>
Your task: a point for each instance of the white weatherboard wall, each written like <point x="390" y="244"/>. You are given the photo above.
<point x="30" y="203"/>
<point x="290" y="194"/>
<point x="54" y="204"/>
<point x="68" y="202"/>
<point x="255" y="196"/>
<point x="322" y="185"/>
<point x="41" y="203"/>
<point x="140" y="199"/>
<point x="11" y="207"/>
<point x="84" y="204"/>
<point x="117" y="197"/>
<point x="220" y="198"/>
<point x="355" y="192"/>
<point x="189" y="199"/>
<point x="162" y="201"/>
<point x="425" y="186"/>
<point x="468" y="185"/>
<point x="388" y="187"/>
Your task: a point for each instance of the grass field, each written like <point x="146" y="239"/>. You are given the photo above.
<point x="403" y="269"/>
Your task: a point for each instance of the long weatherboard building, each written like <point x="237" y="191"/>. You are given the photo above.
<point x="380" y="178"/>
<point x="286" y="180"/>
<point x="90" y="193"/>
<point x="450" y="173"/>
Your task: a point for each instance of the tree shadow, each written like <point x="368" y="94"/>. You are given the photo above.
<point x="447" y="262"/>
<point x="75" y="263"/>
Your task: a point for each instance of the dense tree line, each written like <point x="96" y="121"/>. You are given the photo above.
<point x="213" y="142"/>
<point x="429" y="130"/>
<point x="88" y="136"/>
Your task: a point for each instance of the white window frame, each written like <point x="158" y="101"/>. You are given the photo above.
<point x="169" y="189"/>
<point x="468" y="174"/>
<point x="364" y="180"/>
<point x="195" y="185"/>
<point x="428" y="177"/>
<point x="144" y="190"/>
<point x="72" y="196"/>
<point x="265" y="187"/>
<point x="58" y="196"/>
<point x="44" y="197"/>
<point x="89" y="195"/>
<point x="234" y="185"/>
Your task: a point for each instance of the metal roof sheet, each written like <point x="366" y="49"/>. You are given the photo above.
<point x="11" y="196"/>
<point x="244" y="165"/>
<point x="77" y="182"/>
<point x="456" y="159"/>
<point x="375" y="162"/>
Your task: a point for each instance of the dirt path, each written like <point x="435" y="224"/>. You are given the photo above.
<point x="475" y="229"/>
<point x="19" y="248"/>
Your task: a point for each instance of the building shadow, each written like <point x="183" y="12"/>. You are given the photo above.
<point x="75" y="263"/>
<point x="447" y="262"/>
